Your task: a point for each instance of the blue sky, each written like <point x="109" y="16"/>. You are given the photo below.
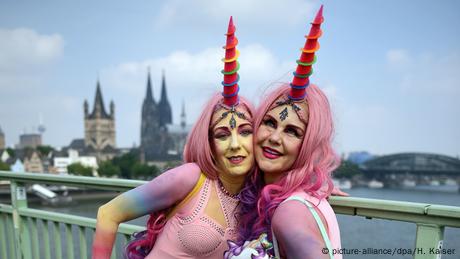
<point x="390" y="68"/>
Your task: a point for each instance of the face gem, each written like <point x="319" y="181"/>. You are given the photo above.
<point x="289" y="102"/>
<point x="284" y="114"/>
<point x="232" y="122"/>
<point x="295" y="108"/>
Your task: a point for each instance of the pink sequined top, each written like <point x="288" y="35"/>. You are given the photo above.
<point x="190" y="233"/>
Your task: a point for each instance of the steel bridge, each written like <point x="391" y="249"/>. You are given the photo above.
<point x="415" y="163"/>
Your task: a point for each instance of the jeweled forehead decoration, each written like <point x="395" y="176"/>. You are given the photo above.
<point x="284" y="113"/>
<point x="231" y="77"/>
<point x="304" y="69"/>
<point x="232" y="110"/>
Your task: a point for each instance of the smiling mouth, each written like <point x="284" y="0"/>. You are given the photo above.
<point x="271" y="153"/>
<point x="236" y="159"/>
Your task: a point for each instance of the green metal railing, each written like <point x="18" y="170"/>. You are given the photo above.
<point x="28" y="231"/>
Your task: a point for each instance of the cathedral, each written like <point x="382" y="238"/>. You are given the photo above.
<point x="161" y="140"/>
<point x="99" y="128"/>
<point x="157" y="143"/>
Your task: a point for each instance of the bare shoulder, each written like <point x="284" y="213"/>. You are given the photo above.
<point x="293" y="215"/>
<point x="186" y="174"/>
<point x="296" y="230"/>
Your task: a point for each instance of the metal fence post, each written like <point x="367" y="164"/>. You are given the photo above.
<point x="428" y="241"/>
<point x="21" y="230"/>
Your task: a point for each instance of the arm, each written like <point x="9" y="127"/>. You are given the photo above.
<point x="297" y="233"/>
<point x="160" y="193"/>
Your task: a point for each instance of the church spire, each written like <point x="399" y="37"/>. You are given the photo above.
<point x="98" y="108"/>
<point x="149" y="94"/>
<point x="164" y="95"/>
<point x="164" y="106"/>
<point x="183" y="121"/>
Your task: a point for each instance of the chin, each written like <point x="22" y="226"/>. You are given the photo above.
<point x="240" y="170"/>
<point x="268" y="167"/>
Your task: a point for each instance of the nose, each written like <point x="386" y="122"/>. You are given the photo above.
<point x="275" y="138"/>
<point x="235" y="143"/>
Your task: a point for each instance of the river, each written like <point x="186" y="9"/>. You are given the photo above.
<point x="356" y="232"/>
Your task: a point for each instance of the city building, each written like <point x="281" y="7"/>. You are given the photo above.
<point x="60" y="163"/>
<point x="2" y="139"/>
<point x="100" y="134"/>
<point x="157" y="144"/>
<point x="33" y="162"/>
<point x="17" y="166"/>
<point x="179" y="134"/>
<point x="31" y="140"/>
<point x="4" y="156"/>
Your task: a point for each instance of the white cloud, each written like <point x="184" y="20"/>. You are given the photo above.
<point x="427" y="74"/>
<point x="24" y="48"/>
<point x="280" y="13"/>
<point x="191" y="77"/>
<point x="398" y="58"/>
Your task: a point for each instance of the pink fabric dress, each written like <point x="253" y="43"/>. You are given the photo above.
<point x="190" y="233"/>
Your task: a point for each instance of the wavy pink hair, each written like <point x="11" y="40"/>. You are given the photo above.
<point x="197" y="150"/>
<point x="310" y="172"/>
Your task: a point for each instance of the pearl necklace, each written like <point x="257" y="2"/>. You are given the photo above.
<point x="227" y="193"/>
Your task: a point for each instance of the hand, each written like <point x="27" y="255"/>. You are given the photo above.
<point x="337" y="192"/>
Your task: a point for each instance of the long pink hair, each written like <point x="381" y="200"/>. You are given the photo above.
<point x="197" y="150"/>
<point x="310" y="172"/>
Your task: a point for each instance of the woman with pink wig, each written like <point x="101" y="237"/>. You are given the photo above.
<point x="285" y="200"/>
<point x="192" y="206"/>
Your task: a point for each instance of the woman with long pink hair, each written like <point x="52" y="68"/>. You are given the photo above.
<point x="284" y="202"/>
<point x="191" y="207"/>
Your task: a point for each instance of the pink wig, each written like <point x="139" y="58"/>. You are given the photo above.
<point x="311" y="171"/>
<point x="197" y="150"/>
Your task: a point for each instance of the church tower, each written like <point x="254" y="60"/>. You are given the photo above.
<point x="183" y="120"/>
<point x="149" y="120"/>
<point x="99" y="126"/>
<point x="2" y="139"/>
<point x="164" y="108"/>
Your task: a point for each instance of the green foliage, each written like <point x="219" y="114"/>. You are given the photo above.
<point x="347" y="169"/>
<point x="45" y="150"/>
<point x="128" y="166"/>
<point x="125" y="163"/>
<point x="171" y="164"/>
<point x="4" y="166"/>
<point x="11" y="152"/>
<point x="143" y="171"/>
<point x="79" y="169"/>
<point x="108" y="169"/>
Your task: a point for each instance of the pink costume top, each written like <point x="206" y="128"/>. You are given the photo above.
<point x="190" y="233"/>
<point x="289" y="220"/>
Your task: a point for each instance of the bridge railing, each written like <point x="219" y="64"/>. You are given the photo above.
<point x="32" y="233"/>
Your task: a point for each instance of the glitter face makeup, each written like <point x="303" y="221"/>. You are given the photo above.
<point x="232" y="142"/>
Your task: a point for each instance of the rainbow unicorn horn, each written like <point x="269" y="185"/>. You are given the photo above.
<point x="231" y="67"/>
<point x="304" y="65"/>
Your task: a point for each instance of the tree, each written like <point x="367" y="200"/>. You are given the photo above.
<point x="79" y="169"/>
<point x="347" y="169"/>
<point x="45" y="150"/>
<point x="125" y="163"/>
<point x="4" y="166"/>
<point x="143" y="171"/>
<point x="107" y="168"/>
<point x="11" y="152"/>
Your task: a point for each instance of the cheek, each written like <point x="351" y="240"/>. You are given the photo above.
<point x="247" y="143"/>
<point x="219" y="147"/>
<point x="293" y="146"/>
<point x="262" y="134"/>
